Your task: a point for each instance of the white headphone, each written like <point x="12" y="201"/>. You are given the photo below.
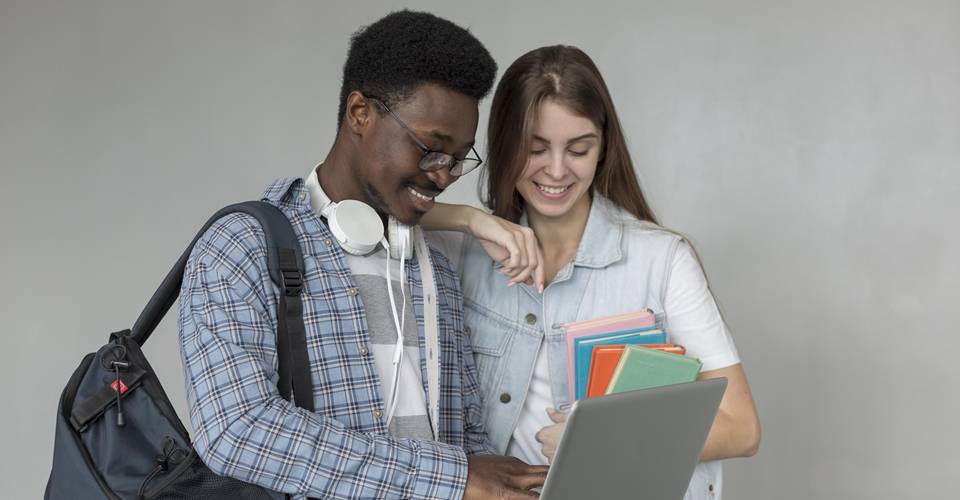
<point x="358" y="228"/>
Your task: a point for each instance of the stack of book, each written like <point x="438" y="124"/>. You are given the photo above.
<point x="621" y="353"/>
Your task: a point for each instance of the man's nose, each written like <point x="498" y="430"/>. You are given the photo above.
<point x="441" y="177"/>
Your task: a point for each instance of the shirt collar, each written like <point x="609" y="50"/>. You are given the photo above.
<point x="288" y="191"/>
<point x="317" y="198"/>
<point x="600" y="244"/>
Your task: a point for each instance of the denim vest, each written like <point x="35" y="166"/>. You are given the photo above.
<point x="621" y="265"/>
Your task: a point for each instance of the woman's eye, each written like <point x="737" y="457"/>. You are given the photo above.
<point x="579" y="153"/>
<point x="536" y="152"/>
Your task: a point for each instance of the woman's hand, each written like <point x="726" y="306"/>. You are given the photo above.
<point x="549" y="436"/>
<point x="514" y="246"/>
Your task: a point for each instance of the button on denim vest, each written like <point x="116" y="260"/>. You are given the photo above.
<point x="621" y="265"/>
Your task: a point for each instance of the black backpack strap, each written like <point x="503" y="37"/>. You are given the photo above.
<point x="285" y="265"/>
<point x="293" y="363"/>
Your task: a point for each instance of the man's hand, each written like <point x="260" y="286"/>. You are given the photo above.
<point x="494" y="476"/>
<point x="549" y="436"/>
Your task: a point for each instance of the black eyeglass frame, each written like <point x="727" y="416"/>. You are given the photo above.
<point x="433" y="160"/>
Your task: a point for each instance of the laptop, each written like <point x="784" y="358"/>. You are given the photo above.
<point x="638" y="444"/>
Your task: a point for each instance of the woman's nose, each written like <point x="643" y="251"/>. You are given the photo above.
<point x="556" y="167"/>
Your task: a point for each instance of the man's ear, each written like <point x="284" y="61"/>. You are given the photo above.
<point x="357" y="117"/>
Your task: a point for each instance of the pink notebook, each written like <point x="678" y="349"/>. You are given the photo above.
<point x="643" y="318"/>
<point x="636" y="319"/>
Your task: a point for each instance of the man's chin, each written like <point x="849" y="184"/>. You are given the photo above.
<point x="408" y="213"/>
<point x="403" y="214"/>
<point x="409" y="219"/>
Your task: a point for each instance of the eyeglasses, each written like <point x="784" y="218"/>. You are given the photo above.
<point x="431" y="160"/>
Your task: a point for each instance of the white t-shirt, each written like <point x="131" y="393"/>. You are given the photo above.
<point x="410" y="418"/>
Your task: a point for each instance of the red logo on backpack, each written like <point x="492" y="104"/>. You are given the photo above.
<point x="123" y="387"/>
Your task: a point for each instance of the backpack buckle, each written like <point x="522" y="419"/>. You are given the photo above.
<point x="292" y="283"/>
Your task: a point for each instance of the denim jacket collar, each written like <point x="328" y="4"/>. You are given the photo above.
<point x="601" y="244"/>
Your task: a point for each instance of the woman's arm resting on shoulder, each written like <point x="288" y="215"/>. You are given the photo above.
<point x="512" y="245"/>
<point x="736" y="429"/>
<point x="448" y="217"/>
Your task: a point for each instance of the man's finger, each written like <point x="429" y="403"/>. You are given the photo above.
<point x="515" y="494"/>
<point x="534" y="477"/>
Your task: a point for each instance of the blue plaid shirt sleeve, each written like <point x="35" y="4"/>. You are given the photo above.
<point x="243" y="428"/>
<point x="475" y="441"/>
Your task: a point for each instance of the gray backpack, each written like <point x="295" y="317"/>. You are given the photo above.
<point x="118" y="436"/>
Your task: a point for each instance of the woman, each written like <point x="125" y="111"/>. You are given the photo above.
<point x="561" y="177"/>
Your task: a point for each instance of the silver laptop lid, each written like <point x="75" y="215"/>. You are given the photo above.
<point x="638" y="444"/>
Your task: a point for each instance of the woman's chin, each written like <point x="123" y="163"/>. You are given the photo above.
<point x="551" y="210"/>
<point x="551" y="206"/>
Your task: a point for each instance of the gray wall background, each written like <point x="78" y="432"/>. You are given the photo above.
<point x="810" y="149"/>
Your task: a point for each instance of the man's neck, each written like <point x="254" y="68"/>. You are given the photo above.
<point x="334" y="174"/>
<point x="338" y="180"/>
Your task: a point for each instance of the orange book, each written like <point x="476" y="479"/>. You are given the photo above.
<point x="603" y="362"/>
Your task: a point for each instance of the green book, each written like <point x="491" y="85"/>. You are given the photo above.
<point x="643" y="368"/>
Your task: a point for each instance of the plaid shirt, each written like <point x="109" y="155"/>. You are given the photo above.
<point x="242" y="426"/>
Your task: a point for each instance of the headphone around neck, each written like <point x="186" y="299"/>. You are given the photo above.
<point x="358" y="228"/>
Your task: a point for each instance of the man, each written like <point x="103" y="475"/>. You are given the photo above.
<point x="407" y="119"/>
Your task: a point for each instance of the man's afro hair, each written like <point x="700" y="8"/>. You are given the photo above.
<point x="388" y="59"/>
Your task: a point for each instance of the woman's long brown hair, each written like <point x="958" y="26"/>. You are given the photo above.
<point x="567" y="76"/>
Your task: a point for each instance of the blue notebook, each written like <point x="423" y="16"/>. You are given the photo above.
<point x="583" y="348"/>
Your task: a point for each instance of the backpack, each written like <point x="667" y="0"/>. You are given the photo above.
<point x="117" y="434"/>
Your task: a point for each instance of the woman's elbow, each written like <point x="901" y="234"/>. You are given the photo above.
<point x="751" y="438"/>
